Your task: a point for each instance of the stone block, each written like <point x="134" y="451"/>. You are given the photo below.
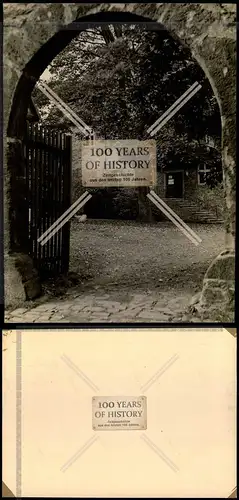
<point x="213" y="294"/>
<point x="216" y="291"/>
<point x="32" y="288"/>
<point x="21" y="280"/>
<point x="222" y="268"/>
<point x="25" y="267"/>
<point x="14" y="294"/>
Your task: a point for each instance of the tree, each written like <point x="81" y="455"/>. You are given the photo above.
<point x="124" y="78"/>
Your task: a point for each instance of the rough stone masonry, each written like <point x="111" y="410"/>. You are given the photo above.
<point x="34" y="34"/>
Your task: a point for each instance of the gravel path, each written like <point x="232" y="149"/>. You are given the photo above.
<point x="129" y="273"/>
<point x="142" y="254"/>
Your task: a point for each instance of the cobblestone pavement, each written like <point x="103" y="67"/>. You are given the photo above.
<point x="144" y="307"/>
<point x="126" y="273"/>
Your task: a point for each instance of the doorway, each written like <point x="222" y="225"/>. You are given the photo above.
<point x="174" y="184"/>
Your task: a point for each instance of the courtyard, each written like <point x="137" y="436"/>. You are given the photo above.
<point x="127" y="272"/>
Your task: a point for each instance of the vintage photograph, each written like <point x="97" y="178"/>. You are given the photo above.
<point x="119" y="163"/>
<point x="138" y="413"/>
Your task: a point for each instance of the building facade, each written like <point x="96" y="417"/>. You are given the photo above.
<point x="184" y="189"/>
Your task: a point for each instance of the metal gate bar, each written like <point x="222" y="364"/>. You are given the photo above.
<point x="47" y="155"/>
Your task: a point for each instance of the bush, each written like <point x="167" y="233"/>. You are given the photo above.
<point x="212" y="198"/>
<point x="125" y="204"/>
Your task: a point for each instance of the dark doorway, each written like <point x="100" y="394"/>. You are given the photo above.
<point x="174" y="185"/>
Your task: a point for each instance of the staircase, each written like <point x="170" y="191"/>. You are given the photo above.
<point x="190" y="211"/>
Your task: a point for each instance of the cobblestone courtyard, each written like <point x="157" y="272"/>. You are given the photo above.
<point x="94" y="308"/>
<point x="128" y="273"/>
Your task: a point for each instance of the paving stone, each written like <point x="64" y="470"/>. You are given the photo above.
<point x="75" y="319"/>
<point x="30" y="317"/>
<point x="116" y="311"/>
<point x="179" y="302"/>
<point x="78" y="307"/>
<point x="85" y="319"/>
<point x="139" y="296"/>
<point x="99" y="313"/>
<point x="142" y="308"/>
<point x="47" y="307"/>
<point x="116" y="319"/>
<point x="141" y="303"/>
<point x="55" y="317"/>
<point x="93" y="309"/>
<point x="17" y="319"/>
<point x="19" y="311"/>
<point x="133" y="310"/>
<point x="99" y="319"/>
<point x="103" y="297"/>
<point x="108" y="303"/>
<point x="153" y="316"/>
<point x="162" y="310"/>
<point x="58" y="308"/>
<point x="85" y="298"/>
<point x="44" y="318"/>
<point x="82" y="304"/>
<point x="123" y="317"/>
<point x="114" y="308"/>
<point x="43" y="307"/>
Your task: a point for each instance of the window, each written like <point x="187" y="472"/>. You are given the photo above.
<point x="203" y="172"/>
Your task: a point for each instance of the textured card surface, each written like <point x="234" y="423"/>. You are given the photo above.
<point x="187" y="377"/>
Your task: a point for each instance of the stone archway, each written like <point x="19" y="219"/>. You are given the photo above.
<point x="35" y="33"/>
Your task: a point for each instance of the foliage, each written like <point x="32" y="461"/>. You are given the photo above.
<point x="119" y="80"/>
<point x="212" y="199"/>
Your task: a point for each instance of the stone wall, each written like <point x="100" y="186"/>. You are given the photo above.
<point x="34" y="34"/>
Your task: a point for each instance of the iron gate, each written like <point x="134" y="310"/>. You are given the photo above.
<point x="47" y="155"/>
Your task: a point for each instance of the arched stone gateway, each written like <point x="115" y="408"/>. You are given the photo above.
<point x="35" y="33"/>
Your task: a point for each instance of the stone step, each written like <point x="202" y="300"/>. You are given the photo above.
<point x="190" y="211"/>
